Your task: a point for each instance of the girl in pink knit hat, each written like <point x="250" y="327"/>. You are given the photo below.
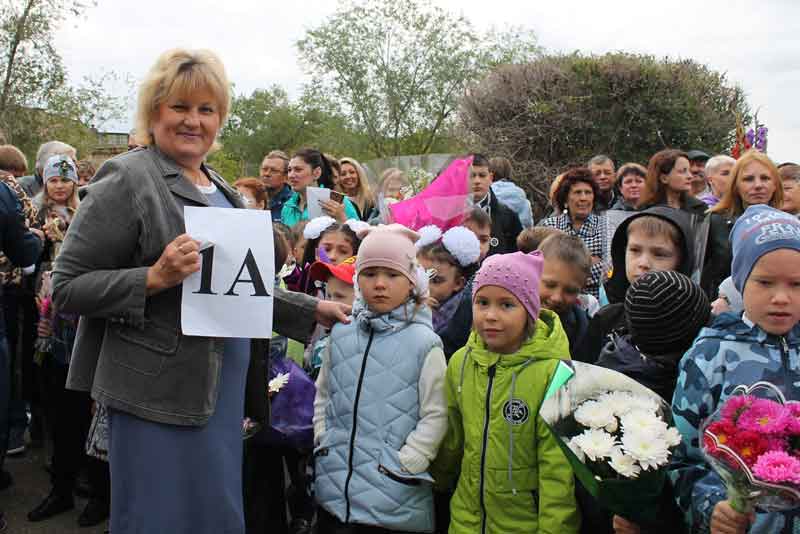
<point x="380" y="412"/>
<point x="507" y="468"/>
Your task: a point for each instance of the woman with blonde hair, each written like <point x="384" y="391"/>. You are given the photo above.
<point x="354" y="183"/>
<point x="754" y="180"/>
<point x="175" y="402"/>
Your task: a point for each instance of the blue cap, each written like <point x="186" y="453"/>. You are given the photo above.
<point x="760" y="230"/>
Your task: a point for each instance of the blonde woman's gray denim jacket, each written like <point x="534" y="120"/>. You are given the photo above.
<point x="129" y="351"/>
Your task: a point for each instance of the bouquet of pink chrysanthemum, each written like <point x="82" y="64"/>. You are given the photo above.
<point x="753" y="442"/>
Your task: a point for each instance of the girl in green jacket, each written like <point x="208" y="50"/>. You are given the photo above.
<point x="512" y="475"/>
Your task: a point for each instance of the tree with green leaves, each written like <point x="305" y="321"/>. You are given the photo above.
<point x="268" y="120"/>
<point x="36" y="102"/>
<point x="396" y="70"/>
<point x="562" y="109"/>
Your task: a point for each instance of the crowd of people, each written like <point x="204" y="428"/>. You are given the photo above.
<point x="417" y="359"/>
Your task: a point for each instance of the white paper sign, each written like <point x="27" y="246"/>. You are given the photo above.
<point x="232" y="295"/>
<point x="313" y="197"/>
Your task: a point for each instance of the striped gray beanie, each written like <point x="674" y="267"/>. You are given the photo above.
<point x="665" y="311"/>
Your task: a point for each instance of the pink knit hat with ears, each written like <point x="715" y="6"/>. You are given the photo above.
<point x="518" y="273"/>
<point x="390" y="246"/>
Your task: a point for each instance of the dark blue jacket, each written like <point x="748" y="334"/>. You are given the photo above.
<point x="456" y="333"/>
<point x="16" y="241"/>
<point x="576" y="324"/>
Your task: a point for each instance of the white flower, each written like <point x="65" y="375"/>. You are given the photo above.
<point x="594" y="414"/>
<point x="619" y="402"/>
<point x="623" y="464"/>
<point x="576" y="449"/>
<point x="596" y="444"/>
<point x="672" y="437"/>
<point x="650" y="451"/>
<point x="277" y="383"/>
<point x="643" y="422"/>
<point x="642" y="402"/>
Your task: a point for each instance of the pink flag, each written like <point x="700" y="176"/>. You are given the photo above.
<point x="444" y="202"/>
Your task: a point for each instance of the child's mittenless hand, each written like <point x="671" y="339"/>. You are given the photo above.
<point x="333" y="209"/>
<point x="623" y="526"/>
<point x="726" y="520"/>
<point x="433" y="303"/>
<point x="44" y="328"/>
<point x="720" y="306"/>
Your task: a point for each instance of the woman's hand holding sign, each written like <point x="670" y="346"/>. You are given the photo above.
<point x="180" y="259"/>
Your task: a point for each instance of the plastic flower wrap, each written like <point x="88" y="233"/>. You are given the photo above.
<point x="443" y="202"/>
<point x="753" y="442"/>
<point x="291" y="394"/>
<point x="616" y="434"/>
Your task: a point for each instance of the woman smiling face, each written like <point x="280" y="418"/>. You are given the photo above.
<point x="348" y="179"/>
<point x="185" y="126"/>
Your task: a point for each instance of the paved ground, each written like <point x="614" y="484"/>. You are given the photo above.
<point x="31" y="485"/>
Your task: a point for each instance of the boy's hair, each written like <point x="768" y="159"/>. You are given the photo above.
<point x="298" y="229"/>
<point x="500" y="168"/>
<point x="12" y="160"/>
<point x="569" y="249"/>
<point x="281" y="248"/>
<point x="479" y="217"/>
<point x="531" y="238"/>
<point x="656" y="226"/>
<point x="479" y="160"/>
<point x="286" y="232"/>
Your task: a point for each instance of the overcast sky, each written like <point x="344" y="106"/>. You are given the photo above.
<point x="756" y="43"/>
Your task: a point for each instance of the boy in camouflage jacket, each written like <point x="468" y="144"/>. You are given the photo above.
<point x="763" y="343"/>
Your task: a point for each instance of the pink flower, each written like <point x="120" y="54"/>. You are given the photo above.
<point x="765" y="416"/>
<point x="734" y="406"/>
<point x="778" y="467"/>
<point x="794" y="424"/>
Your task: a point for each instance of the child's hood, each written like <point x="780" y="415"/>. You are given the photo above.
<point x="617" y="285"/>
<point x="549" y="342"/>
<point x="731" y="326"/>
<point x="400" y="317"/>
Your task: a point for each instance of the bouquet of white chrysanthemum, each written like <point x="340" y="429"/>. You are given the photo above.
<point x="615" y="433"/>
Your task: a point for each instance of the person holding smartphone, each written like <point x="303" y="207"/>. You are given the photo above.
<point x="309" y="167"/>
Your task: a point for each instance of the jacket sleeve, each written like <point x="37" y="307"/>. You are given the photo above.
<point x="697" y="487"/>
<point x="293" y="314"/>
<point x="446" y="466"/>
<point x="423" y="442"/>
<point x="19" y="244"/>
<point x="322" y="396"/>
<point x="558" y="510"/>
<point x="350" y="210"/>
<point x="92" y="274"/>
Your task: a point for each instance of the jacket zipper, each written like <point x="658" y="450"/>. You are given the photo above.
<point x="784" y="352"/>
<point x="486" y="416"/>
<point x="353" y="431"/>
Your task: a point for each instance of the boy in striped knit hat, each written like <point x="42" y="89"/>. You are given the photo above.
<point x="664" y="312"/>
